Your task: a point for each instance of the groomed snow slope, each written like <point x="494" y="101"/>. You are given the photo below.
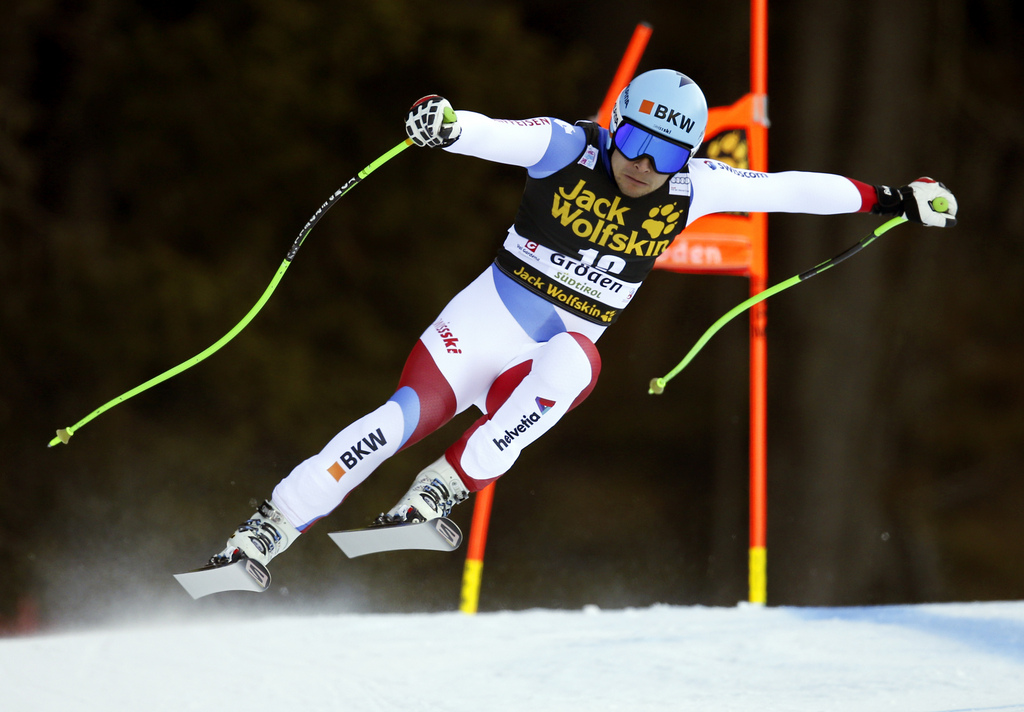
<point x="933" y="658"/>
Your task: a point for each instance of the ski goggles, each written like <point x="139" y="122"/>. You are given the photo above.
<point x="635" y="142"/>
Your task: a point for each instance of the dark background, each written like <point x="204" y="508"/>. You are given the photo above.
<point x="158" y="158"/>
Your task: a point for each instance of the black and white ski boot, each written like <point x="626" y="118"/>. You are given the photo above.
<point x="434" y="492"/>
<point x="260" y="538"/>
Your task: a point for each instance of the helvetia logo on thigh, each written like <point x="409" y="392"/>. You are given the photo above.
<point x="525" y="423"/>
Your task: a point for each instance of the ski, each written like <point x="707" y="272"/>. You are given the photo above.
<point x="242" y="575"/>
<point x="440" y="534"/>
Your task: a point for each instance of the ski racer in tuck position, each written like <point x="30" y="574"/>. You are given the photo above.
<point x="518" y="342"/>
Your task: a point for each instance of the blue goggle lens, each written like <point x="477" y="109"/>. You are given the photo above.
<point x="635" y="142"/>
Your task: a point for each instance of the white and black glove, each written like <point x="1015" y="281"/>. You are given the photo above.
<point x="432" y="122"/>
<point x="924" y="201"/>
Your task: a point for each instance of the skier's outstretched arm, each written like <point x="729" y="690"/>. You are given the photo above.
<point x="542" y="144"/>
<point x="717" y="188"/>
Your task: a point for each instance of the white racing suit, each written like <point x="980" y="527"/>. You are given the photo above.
<point x="519" y="342"/>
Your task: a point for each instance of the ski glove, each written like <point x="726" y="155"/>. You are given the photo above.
<point x="432" y="122"/>
<point x="924" y="201"/>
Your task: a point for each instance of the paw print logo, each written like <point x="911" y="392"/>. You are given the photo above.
<point x="730" y="148"/>
<point x="662" y="221"/>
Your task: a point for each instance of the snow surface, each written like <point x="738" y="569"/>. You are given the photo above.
<point x="930" y="658"/>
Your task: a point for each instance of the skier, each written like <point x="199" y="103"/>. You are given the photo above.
<point x="518" y="343"/>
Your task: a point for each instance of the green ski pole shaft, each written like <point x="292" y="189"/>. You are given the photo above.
<point x="64" y="434"/>
<point x="657" y="385"/>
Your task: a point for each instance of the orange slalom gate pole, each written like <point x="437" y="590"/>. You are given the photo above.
<point x="758" y="554"/>
<point x="627" y="68"/>
<point x="472" y="572"/>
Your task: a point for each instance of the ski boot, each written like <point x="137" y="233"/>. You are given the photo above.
<point x="260" y="538"/>
<point x="434" y="492"/>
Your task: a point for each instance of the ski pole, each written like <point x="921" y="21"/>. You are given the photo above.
<point x="657" y="385"/>
<point x="64" y="434"/>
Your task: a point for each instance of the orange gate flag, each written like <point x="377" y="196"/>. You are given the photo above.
<point x="724" y="243"/>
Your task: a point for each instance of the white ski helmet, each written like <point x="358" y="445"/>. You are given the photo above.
<point x="671" y="113"/>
